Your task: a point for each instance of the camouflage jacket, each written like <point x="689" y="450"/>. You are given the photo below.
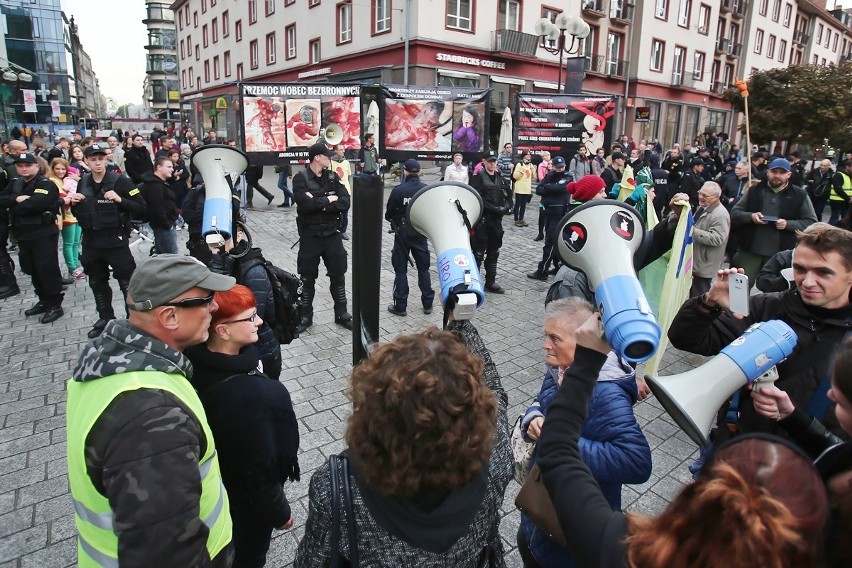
<point x="146" y="446"/>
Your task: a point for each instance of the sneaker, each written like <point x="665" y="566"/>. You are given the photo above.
<point x="524" y="223"/>
<point x="397" y="311"/>
<point x="78" y="273"/>
<point x="519" y="224"/>
<point x="427" y="310"/>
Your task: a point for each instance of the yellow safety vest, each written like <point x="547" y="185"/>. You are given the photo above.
<point x="847" y="187"/>
<point x="97" y="542"/>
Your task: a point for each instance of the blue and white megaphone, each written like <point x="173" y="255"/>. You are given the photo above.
<point x="600" y="238"/>
<point x="693" y="398"/>
<point x="444" y="212"/>
<point x="217" y="164"/>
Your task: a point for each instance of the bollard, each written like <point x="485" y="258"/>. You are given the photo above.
<point x="367" y="224"/>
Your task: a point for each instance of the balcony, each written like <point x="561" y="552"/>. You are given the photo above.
<point x="593" y="8"/>
<point x="846" y="57"/>
<point x="734" y="49"/>
<point x="518" y="43"/>
<point x="801" y="37"/>
<point x="620" y="12"/>
<point x="722" y="45"/>
<point x="683" y="79"/>
<point x="601" y="65"/>
<point x="726" y="6"/>
<point x="739" y="8"/>
<point x="719" y="87"/>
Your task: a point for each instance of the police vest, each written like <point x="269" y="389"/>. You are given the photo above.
<point x="97" y="542"/>
<point x="492" y="191"/>
<point x="319" y="222"/>
<point x="32" y="220"/>
<point x="846" y="187"/>
<point x="97" y="213"/>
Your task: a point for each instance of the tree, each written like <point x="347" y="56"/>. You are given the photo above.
<point x="800" y="104"/>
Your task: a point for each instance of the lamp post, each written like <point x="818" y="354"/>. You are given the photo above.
<point x="555" y="32"/>
<point x="13" y="77"/>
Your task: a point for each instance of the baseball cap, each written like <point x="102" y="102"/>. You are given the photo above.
<point x="654" y="159"/>
<point x="618" y="156"/>
<point x="697" y="162"/>
<point x="163" y="277"/>
<point x="558" y="162"/>
<point x="25" y="158"/>
<point x="411" y="165"/>
<point x="491" y="156"/>
<point x="780" y="164"/>
<point x="319" y="149"/>
<point x="95" y="148"/>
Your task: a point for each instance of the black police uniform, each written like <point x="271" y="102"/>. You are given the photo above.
<point x="407" y="240"/>
<point x="487" y="236"/>
<point x="8" y="282"/>
<point x="106" y="238"/>
<point x="320" y="223"/>
<point x="553" y="190"/>
<point x="34" y="225"/>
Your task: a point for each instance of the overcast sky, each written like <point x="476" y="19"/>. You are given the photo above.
<point x="113" y="35"/>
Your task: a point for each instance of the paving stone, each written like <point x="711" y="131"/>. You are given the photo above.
<point x="23" y="542"/>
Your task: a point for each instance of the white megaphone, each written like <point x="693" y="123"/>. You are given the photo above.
<point x="600" y="239"/>
<point x="693" y="398"/>
<point x="444" y="213"/>
<point x="215" y="162"/>
<point x="332" y="134"/>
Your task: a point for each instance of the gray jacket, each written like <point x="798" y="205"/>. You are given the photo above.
<point x="710" y="235"/>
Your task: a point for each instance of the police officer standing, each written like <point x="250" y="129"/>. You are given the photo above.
<point x="406" y="240"/>
<point x="321" y="202"/>
<point x="104" y="203"/>
<point x="487" y="237"/>
<point x="8" y="282"/>
<point x="553" y="190"/>
<point x="33" y="201"/>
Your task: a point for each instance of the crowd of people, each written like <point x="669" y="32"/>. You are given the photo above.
<point x="178" y="425"/>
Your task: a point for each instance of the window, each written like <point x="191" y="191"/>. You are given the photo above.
<point x="216" y="67"/>
<point x="678" y="64"/>
<point x="827" y="37"/>
<point x="183" y="76"/>
<point x="207" y="71"/>
<point x="788" y="11"/>
<point x="253" y="54"/>
<point x="181" y="49"/>
<point x="312" y="3"/>
<point x="618" y="10"/>
<point x="214" y="27"/>
<point x="658" y="49"/>
<point x="698" y="66"/>
<point x="227" y="62"/>
<point x="195" y="19"/>
<point x="288" y="2"/>
<point x="509" y="15"/>
<point x="770" y="47"/>
<point x="226" y="24"/>
<point x="239" y="71"/>
<point x="197" y="52"/>
<point x="252" y="11"/>
<point x="344" y="23"/>
<point x="270" y="48"/>
<point x="671" y="128"/>
<point x="661" y="9"/>
<point x="816" y="59"/>
<point x="550" y="15"/>
<point x="776" y="10"/>
<point x="203" y="6"/>
<point x="613" y="54"/>
<point x="190" y="77"/>
<point x="314" y="50"/>
<point x="729" y="74"/>
<point x="758" y="41"/>
<point x="290" y="41"/>
<point x="782" y="50"/>
<point x="819" y="34"/>
<point x="683" y="13"/>
<point x="382" y="16"/>
<point x="834" y="45"/>
<point x="459" y="14"/>
<point x="180" y="20"/>
<point x="589" y="45"/>
<point x="714" y="70"/>
<point x="735" y="34"/>
<point x="764" y="7"/>
<point x="204" y="35"/>
<point x="704" y="19"/>
<point x="270" y="7"/>
<point x="238" y="30"/>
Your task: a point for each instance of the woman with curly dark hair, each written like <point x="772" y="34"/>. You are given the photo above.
<point x="429" y="456"/>
<point x="759" y="502"/>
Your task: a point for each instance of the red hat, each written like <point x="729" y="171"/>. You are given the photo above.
<point x="585" y="189"/>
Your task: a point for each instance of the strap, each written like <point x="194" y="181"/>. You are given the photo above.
<point x="335" y="513"/>
<point x="464" y="215"/>
<point x="350" y="515"/>
<point x="819" y="400"/>
<point x="733" y="413"/>
<point x="210" y="388"/>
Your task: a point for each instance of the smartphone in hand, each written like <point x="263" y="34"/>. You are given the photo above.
<point x="738" y="292"/>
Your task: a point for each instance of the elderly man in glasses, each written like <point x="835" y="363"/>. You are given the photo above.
<point x="142" y="463"/>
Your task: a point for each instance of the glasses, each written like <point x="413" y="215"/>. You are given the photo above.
<point x="251" y="319"/>
<point x="191" y="302"/>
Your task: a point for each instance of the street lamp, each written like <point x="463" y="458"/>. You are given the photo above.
<point x="12" y="77"/>
<point x="554" y="40"/>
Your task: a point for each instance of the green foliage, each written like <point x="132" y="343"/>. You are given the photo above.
<point x="800" y="103"/>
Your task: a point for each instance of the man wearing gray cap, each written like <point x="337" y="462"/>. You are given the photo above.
<point x="142" y="461"/>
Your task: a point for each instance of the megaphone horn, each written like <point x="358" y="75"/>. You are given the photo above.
<point x="693" y="398"/>
<point x="438" y="212"/>
<point x="600" y="238"/>
<point x="332" y="134"/>
<point x="215" y="162"/>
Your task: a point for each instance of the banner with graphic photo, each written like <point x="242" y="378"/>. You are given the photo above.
<point x="282" y="120"/>
<point x="432" y="123"/>
<point x="560" y="123"/>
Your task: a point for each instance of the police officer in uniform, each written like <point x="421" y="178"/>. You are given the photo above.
<point x="406" y="240"/>
<point x="8" y="282"/>
<point x="33" y="201"/>
<point x="487" y="237"/>
<point x="321" y="202"/>
<point x="104" y="204"/>
<point x="553" y="190"/>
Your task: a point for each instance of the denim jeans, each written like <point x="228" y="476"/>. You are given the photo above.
<point x="165" y="240"/>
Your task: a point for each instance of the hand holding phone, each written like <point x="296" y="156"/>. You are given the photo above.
<point x="738" y="292"/>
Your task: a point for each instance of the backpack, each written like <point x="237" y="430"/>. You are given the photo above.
<point x="286" y="293"/>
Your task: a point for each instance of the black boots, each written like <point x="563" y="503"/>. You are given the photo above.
<point x="103" y="303"/>
<point x="307" y="301"/>
<point x="491" y="273"/>
<point x="8" y="282"/>
<point x="338" y="293"/>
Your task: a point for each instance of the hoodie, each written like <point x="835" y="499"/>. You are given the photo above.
<point x="161" y="200"/>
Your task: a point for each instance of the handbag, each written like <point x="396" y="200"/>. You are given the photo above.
<point x="522" y="452"/>
<point x="340" y="463"/>
<point x="534" y="501"/>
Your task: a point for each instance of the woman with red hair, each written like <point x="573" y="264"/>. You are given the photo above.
<point x="252" y="419"/>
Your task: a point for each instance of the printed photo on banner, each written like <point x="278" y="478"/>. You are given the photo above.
<point x="468" y="119"/>
<point x="561" y="123"/>
<point x="418" y="125"/>
<point x="264" y="127"/>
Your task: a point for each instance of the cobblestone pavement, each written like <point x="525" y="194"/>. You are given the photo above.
<point x="36" y="520"/>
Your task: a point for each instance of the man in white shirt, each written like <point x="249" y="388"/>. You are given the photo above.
<point x="456" y="171"/>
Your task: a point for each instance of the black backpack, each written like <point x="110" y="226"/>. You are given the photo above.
<point x="286" y="292"/>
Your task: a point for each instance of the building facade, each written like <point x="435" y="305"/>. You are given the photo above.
<point x="161" y="88"/>
<point x="669" y="59"/>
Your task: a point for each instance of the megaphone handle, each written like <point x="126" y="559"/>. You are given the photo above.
<point x="767" y="379"/>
